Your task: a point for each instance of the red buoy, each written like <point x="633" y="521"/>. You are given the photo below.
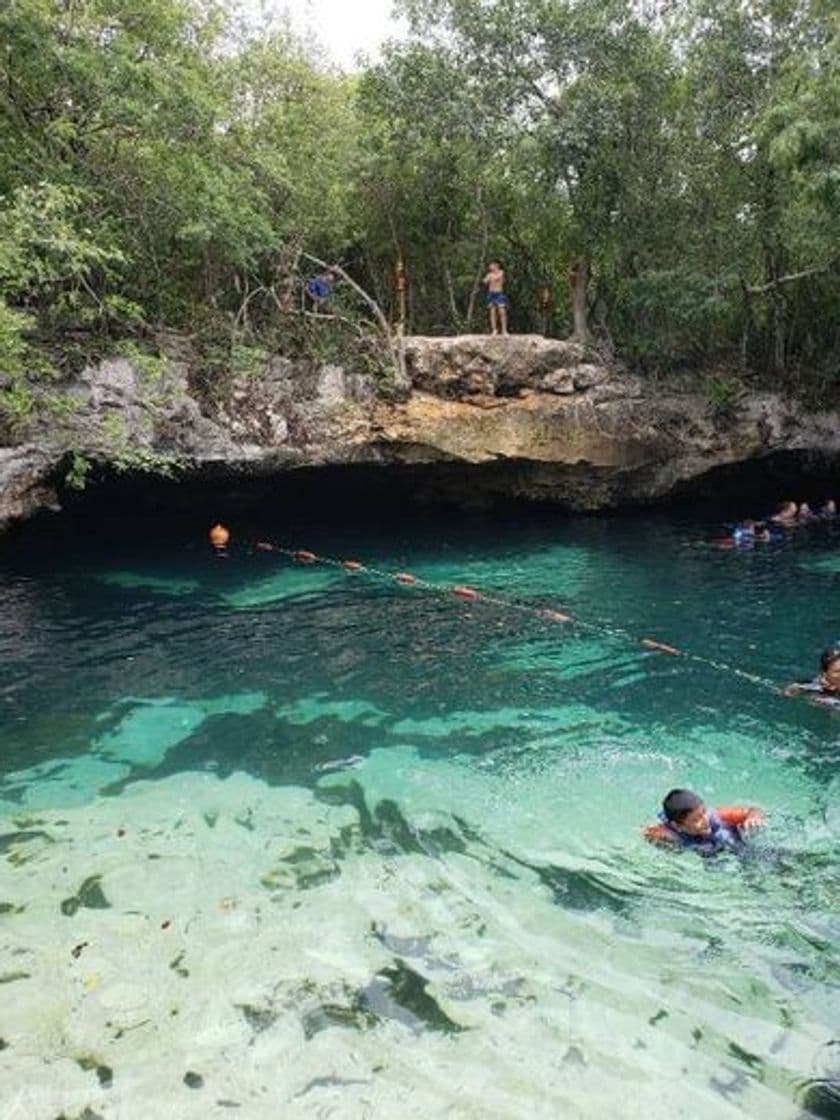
<point x="304" y="557"/>
<point x="405" y="577"/>
<point x="352" y="565"/>
<point x="466" y="592"/>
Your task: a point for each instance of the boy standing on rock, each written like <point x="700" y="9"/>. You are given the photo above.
<point x="497" y="301"/>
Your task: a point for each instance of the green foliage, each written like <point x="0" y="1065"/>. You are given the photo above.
<point x="691" y="157"/>
<point x="162" y="167"/>
<point x="126" y="455"/>
<point x="724" y="393"/>
<point x="78" y="471"/>
<point x="248" y="361"/>
<point x="17" y="401"/>
<point x="44" y="244"/>
<point x="152" y="367"/>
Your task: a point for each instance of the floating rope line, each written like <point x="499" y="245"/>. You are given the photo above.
<point x="546" y="614"/>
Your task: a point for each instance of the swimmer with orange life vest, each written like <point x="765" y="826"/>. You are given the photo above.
<point x="686" y="822"/>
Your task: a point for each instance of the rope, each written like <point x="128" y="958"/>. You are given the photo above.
<point x="545" y="614"/>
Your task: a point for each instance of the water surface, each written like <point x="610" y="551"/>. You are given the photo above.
<point x="285" y="840"/>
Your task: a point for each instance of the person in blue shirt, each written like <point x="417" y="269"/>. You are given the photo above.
<point x="319" y="289"/>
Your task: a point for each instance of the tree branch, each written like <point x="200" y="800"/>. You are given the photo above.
<point x="760" y="289"/>
<point x="395" y="348"/>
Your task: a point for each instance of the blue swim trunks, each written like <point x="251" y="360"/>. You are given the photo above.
<point x="497" y="299"/>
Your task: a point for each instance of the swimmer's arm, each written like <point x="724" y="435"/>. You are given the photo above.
<point x="827" y="700"/>
<point x="805" y="686"/>
<point x="815" y="691"/>
<point x="658" y="834"/>
<point x="742" y="816"/>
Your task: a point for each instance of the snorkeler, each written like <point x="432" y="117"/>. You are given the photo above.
<point x="825" y="687"/>
<point x="688" y="823"/>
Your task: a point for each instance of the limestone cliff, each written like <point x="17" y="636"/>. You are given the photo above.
<point x="546" y="422"/>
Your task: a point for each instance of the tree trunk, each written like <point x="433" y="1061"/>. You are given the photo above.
<point x="578" y="278"/>
<point x="482" y="262"/>
<point x="777" y="305"/>
<point x="746" y="326"/>
<point x="774" y="268"/>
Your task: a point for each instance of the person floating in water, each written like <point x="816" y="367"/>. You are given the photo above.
<point x="825" y="687"/>
<point x="744" y="532"/>
<point x="686" y="822"/>
<point x="748" y="532"/>
<point x="828" y="509"/>
<point x="497" y="301"/>
<point x="785" y="514"/>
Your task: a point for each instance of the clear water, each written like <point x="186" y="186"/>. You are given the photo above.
<point x="288" y="841"/>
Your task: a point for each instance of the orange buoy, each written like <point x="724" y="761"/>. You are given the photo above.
<point x="405" y="577"/>
<point x="466" y="592"/>
<point x="219" y="536"/>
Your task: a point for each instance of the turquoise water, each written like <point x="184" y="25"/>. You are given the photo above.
<point x="296" y="842"/>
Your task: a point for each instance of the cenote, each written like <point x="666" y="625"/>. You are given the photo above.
<point x="285" y="840"/>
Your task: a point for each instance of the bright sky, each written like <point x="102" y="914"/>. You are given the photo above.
<point x="343" y="27"/>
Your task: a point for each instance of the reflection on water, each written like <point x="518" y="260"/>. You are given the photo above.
<point x="274" y="837"/>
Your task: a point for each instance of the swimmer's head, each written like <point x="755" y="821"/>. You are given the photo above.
<point x="830" y="668"/>
<point x="829" y="507"/>
<point x="686" y="811"/>
<point x="786" y="510"/>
